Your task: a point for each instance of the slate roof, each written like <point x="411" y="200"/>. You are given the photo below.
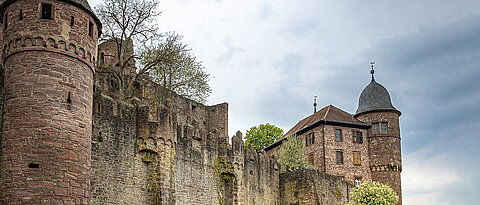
<point x="374" y="97"/>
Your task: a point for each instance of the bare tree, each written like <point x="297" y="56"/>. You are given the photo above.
<point x="124" y="21"/>
<point x="168" y="61"/>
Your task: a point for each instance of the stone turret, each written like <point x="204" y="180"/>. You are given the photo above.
<point x="384" y="146"/>
<point x="48" y="53"/>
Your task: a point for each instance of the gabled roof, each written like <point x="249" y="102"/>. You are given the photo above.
<point x="328" y="115"/>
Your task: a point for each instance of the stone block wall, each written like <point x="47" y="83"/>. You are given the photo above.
<point x="385" y="149"/>
<point x="312" y="187"/>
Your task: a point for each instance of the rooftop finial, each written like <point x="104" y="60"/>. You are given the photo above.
<point x="314" y="104"/>
<point x="372" y="63"/>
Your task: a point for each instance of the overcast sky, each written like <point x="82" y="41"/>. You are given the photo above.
<point x="268" y="59"/>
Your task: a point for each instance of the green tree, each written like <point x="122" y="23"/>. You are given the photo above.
<point x="262" y="136"/>
<point x="373" y="193"/>
<point x="291" y="153"/>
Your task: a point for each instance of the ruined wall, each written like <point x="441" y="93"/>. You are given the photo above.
<point x="208" y="170"/>
<point x="312" y="187"/>
<point x="118" y="173"/>
<point x="174" y="150"/>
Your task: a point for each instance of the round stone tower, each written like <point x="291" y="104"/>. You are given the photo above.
<point x="384" y="147"/>
<point x="48" y="53"/>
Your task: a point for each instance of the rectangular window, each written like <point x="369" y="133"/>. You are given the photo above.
<point x="47" y="11"/>
<point x="338" y="135"/>
<point x="310" y="159"/>
<point x="356" y="158"/>
<point x="375" y="128"/>
<point x="90" y="29"/>
<point x="339" y="157"/>
<point x="311" y="138"/>
<point x="358" y="181"/>
<point x="357" y="137"/>
<point x="384" y="127"/>
<point x="21" y="15"/>
<point x="306" y="141"/>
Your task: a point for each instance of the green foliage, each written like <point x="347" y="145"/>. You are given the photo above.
<point x="291" y="153"/>
<point x="262" y="136"/>
<point x="338" y="194"/>
<point x="100" y="138"/>
<point x="373" y="193"/>
<point x="295" y="193"/>
<point x="222" y="176"/>
<point x="178" y="69"/>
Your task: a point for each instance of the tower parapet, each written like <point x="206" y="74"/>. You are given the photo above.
<point x="48" y="52"/>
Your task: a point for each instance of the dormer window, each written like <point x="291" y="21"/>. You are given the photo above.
<point x="47" y="11"/>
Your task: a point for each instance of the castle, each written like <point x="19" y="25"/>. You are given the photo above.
<point x="335" y="144"/>
<point x="67" y="138"/>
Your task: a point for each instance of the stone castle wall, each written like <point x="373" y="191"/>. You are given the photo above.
<point x="173" y="151"/>
<point x="385" y="149"/>
<point x="313" y="187"/>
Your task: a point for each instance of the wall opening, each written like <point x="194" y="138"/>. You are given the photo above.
<point x="99" y="108"/>
<point x="47" y="11"/>
<point x="21" y="15"/>
<point x="90" y="29"/>
<point x="33" y="165"/>
<point x="102" y="58"/>
<point x="69" y="98"/>
<point x="5" y="23"/>
<point x="72" y="19"/>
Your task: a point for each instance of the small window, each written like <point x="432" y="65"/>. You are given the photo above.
<point x="339" y="157"/>
<point x="21" y="15"/>
<point x="311" y="138"/>
<point x="33" y="165"/>
<point x="357" y="137"/>
<point x="99" y="108"/>
<point x="101" y="60"/>
<point x="69" y="98"/>
<point x="338" y="135"/>
<point x="5" y="23"/>
<point x="384" y="127"/>
<point x="310" y="159"/>
<point x="72" y="21"/>
<point x="356" y="158"/>
<point x="358" y="181"/>
<point x="90" y="29"/>
<point x="47" y="11"/>
<point x="375" y="128"/>
<point x="306" y="141"/>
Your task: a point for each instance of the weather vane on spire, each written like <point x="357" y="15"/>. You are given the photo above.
<point x="372" y="63"/>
